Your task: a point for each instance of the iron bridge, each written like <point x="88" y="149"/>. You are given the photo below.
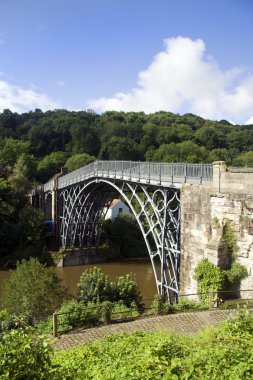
<point x="77" y="203"/>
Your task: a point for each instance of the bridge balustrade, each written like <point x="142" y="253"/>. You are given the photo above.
<point x="163" y="173"/>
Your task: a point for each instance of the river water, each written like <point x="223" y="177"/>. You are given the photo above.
<point x="142" y="270"/>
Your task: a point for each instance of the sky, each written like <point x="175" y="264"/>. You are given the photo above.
<point x="181" y="56"/>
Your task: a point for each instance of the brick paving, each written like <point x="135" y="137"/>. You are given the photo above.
<point x="183" y="323"/>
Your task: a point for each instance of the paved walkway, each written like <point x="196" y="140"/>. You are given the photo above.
<point x="184" y="323"/>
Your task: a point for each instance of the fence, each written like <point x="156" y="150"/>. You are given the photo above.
<point x="136" y="171"/>
<point x="102" y="314"/>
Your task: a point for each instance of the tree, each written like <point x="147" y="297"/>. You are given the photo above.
<point x="33" y="290"/>
<point x="32" y="230"/>
<point x="10" y="150"/>
<point x="244" y="159"/>
<point x="119" y="148"/>
<point x="78" y="160"/>
<point x="50" y="165"/>
<point x="126" y="225"/>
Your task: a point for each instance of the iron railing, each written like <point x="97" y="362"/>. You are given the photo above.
<point x="145" y="172"/>
<point x="214" y="300"/>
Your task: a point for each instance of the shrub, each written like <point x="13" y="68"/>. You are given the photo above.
<point x="25" y="355"/>
<point x="158" y="306"/>
<point x="94" y="286"/>
<point x="236" y="273"/>
<point x="125" y="290"/>
<point x="121" y="311"/>
<point x="209" y="277"/>
<point x="8" y="322"/>
<point x="75" y="314"/>
<point x="221" y="353"/>
<point x="33" y="291"/>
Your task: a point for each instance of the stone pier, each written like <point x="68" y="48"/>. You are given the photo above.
<point x="204" y="211"/>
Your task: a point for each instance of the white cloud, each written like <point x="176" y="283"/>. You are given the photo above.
<point x="183" y="76"/>
<point x="20" y="100"/>
<point x="250" y="121"/>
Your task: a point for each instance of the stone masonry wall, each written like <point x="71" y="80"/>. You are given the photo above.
<point x="204" y="211"/>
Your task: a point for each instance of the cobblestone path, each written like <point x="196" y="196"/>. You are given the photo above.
<point x="184" y="323"/>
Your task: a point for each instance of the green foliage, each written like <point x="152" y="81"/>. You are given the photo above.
<point x="25" y="355"/>
<point x="186" y="151"/>
<point x="213" y="354"/>
<point x="78" y="160"/>
<point x="221" y="353"/>
<point x="33" y="290"/>
<point x="74" y="314"/>
<point x="212" y="278"/>
<point x="9" y="322"/>
<point x="121" y="311"/>
<point x="230" y="240"/>
<point x="236" y="273"/>
<point x="125" y="290"/>
<point x="132" y="244"/>
<point x="244" y="159"/>
<point x="94" y="286"/>
<point x="35" y="145"/>
<point x="32" y="230"/>
<point x="50" y="165"/>
<point x="158" y="306"/>
<point x="209" y="277"/>
<point x="10" y="150"/>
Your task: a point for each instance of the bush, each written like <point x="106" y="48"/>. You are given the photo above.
<point x="75" y="314"/>
<point x="121" y="311"/>
<point x="125" y="290"/>
<point x="33" y="291"/>
<point x="25" y="355"/>
<point x="158" y="306"/>
<point x="8" y="322"/>
<point x="209" y="277"/>
<point x="221" y="353"/>
<point x="94" y="286"/>
<point x="236" y="273"/>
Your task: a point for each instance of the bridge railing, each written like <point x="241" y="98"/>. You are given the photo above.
<point x="134" y="170"/>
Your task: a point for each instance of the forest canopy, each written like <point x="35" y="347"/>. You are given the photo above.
<point x="52" y="139"/>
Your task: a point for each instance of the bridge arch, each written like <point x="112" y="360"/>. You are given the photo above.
<point x="157" y="210"/>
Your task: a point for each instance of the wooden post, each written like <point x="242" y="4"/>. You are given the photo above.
<point x="211" y="299"/>
<point x="55" y="323"/>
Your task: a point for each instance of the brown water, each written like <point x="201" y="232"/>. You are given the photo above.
<point x="142" y="270"/>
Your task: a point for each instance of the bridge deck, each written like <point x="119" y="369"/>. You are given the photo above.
<point x="163" y="174"/>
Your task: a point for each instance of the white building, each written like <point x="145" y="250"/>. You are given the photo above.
<point x="117" y="207"/>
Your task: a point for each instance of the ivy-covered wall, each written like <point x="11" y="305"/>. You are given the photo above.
<point x="216" y="226"/>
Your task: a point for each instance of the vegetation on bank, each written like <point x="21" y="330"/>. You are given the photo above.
<point x="224" y="352"/>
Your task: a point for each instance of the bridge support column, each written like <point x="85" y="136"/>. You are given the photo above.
<point x="55" y="218"/>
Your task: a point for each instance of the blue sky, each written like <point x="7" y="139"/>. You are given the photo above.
<point x="141" y="55"/>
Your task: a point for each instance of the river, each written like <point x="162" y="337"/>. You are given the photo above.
<point x="142" y="270"/>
